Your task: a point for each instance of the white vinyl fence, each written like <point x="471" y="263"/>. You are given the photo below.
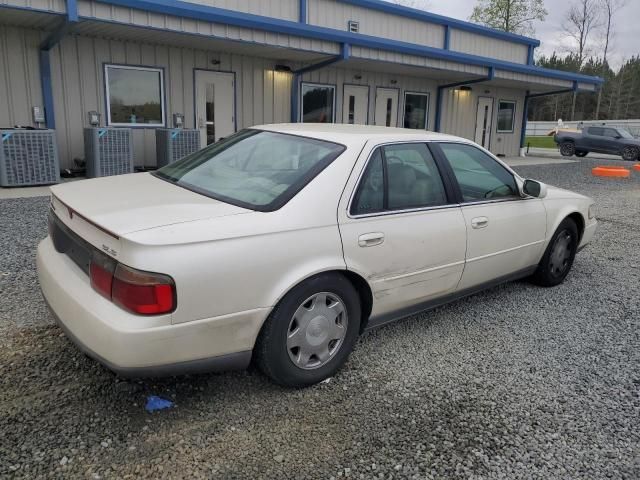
<point x="543" y="128"/>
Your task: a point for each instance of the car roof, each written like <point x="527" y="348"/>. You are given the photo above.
<point x="345" y="134"/>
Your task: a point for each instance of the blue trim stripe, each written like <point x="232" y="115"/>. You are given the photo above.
<point x="302" y="6"/>
<point x="395" y="9"/>
<point x="217" y="15"/>
<point x="525" y="119"/>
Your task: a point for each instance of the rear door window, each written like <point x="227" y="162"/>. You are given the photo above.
<point x="399" y="177"/>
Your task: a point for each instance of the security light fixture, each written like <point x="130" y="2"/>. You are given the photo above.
<point x="282" y="68"/>
<point x="465" y="88"/>
<point x="357" y="77"/>
<point x="215" y="61"/>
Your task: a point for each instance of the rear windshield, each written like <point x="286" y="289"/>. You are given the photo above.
<point x="253" y="169"/>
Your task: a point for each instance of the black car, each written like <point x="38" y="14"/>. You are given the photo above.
<point x="601" y="139"/>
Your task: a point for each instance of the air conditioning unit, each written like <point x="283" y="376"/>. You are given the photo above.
<point x="108" y="151"/>
<point x="28" y="157"/>
<point x="172" y="144"/>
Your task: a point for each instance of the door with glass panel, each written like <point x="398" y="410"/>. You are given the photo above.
<point x="416" y="110"/>
<point x="215" y="105"/>
<point x="386" y="107"/>
<point x="355" y="105"/>
<point x="484" y="119"/>
<point x="400" y="229"/>
<point x="506" y="232"/>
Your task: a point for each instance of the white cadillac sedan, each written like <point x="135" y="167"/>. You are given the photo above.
<point x="283" y="243"/>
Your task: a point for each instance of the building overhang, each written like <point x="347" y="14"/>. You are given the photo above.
<point x="435" y="62"/>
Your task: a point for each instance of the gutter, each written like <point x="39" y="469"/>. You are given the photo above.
<point x="44" y="57"/>
<point x="345" y="53"/>
<point x="442" y="88"/>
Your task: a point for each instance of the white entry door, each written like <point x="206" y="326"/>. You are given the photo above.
<point x="386" y="107"/>
<point x="355" y="105"/>
<point x="215" y="105"/>
<point x="483" y="121"/>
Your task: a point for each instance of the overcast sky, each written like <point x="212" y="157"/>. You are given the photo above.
<point x="625" y="44"/>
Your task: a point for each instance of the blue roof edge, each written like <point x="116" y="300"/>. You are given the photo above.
<point x="401" y="10"/>
<point x="194" y="11"/>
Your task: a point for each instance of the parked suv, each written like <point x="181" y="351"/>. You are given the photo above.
<point x="601" y="139"/>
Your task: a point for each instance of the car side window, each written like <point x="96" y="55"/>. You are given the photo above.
<point x="611" y="133"/>
<point x="597" y="131"/>
<point x="479" y="176"/>
<point x="399" y="177"/>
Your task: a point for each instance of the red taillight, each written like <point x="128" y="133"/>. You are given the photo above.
<point x="142" y="293"/>
<point x="101" y="273"/>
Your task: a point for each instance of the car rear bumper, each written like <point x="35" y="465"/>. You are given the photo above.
<point x="135" y="346"/>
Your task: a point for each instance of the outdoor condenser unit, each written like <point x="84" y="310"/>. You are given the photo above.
<point x="172" y="144"/>
<point x="108" y="151"/>
<point x="28" y="157"/>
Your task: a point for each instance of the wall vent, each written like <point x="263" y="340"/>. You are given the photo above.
<point x="353" y="26"/>
<point x="172" y="144"/>
<point x="108" y="151"/>
<point x="28" y="157"/>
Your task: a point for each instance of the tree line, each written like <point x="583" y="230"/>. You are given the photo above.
<point x="589" y="28"/>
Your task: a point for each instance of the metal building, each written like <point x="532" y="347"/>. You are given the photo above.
<point x="229" y="64"/>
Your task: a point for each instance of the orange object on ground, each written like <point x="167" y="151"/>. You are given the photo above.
<point x="637" y="167"/>
<point x="612" y="171"/>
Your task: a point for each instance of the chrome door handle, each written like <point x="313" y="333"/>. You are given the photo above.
<point x="371" y="239"/>
<point x="480" y="222"/>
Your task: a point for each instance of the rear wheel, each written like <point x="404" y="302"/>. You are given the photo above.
<point x="581" y="154"/>
<point x="567" y="149"/>
<point x="630" y="154"/>
<point x="311" y="332"/>
<point x="559" y="256"/>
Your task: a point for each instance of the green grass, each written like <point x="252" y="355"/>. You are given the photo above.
<point x="540" y="142"/>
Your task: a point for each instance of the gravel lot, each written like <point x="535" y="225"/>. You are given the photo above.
<point x="517" y="382"/>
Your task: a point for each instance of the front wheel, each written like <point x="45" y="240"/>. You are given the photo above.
<point x="630" y="154"/>
<point x="311" y="332"/>
<point x="559" y="256"/>
<point x="567" y="149"/>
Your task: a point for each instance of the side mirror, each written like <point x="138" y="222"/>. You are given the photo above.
<point x="618" y="137"/>
<point x="535" y="189"/>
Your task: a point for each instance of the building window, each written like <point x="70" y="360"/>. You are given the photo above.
<point x="506" y="116"/>
<point x="416" y="110"/>
<point x="318" y="103"/>
<point x="135" y="96"/>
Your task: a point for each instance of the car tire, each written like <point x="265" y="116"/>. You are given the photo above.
<point x="581" y="154"/>
<point x="630" y="154"/>
<point x="295" y="347"/>
<point x="559" y="256"/>
<point x="567" y="149"/>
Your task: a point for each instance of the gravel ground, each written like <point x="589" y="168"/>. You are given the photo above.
<point x="517" y="382"/>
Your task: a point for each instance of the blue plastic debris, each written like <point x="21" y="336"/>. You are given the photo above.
<point x="156" y="403"/>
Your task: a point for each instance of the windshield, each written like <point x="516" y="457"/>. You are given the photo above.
<point x="624" y="134"/>
<point x="254" y="169"/>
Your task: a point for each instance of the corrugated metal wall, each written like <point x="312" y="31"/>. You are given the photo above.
<point x="129" y="16"/>
<point x="285" y="9"/>
<point x="334" y="14"/>
<point x="20" y="88"/>
<point x="394" y="57"/>
<point x="475" y="44"/>
<point x="263" y="96"/>
<point x="49" y="5"/>
<point x="459" y="109"/>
